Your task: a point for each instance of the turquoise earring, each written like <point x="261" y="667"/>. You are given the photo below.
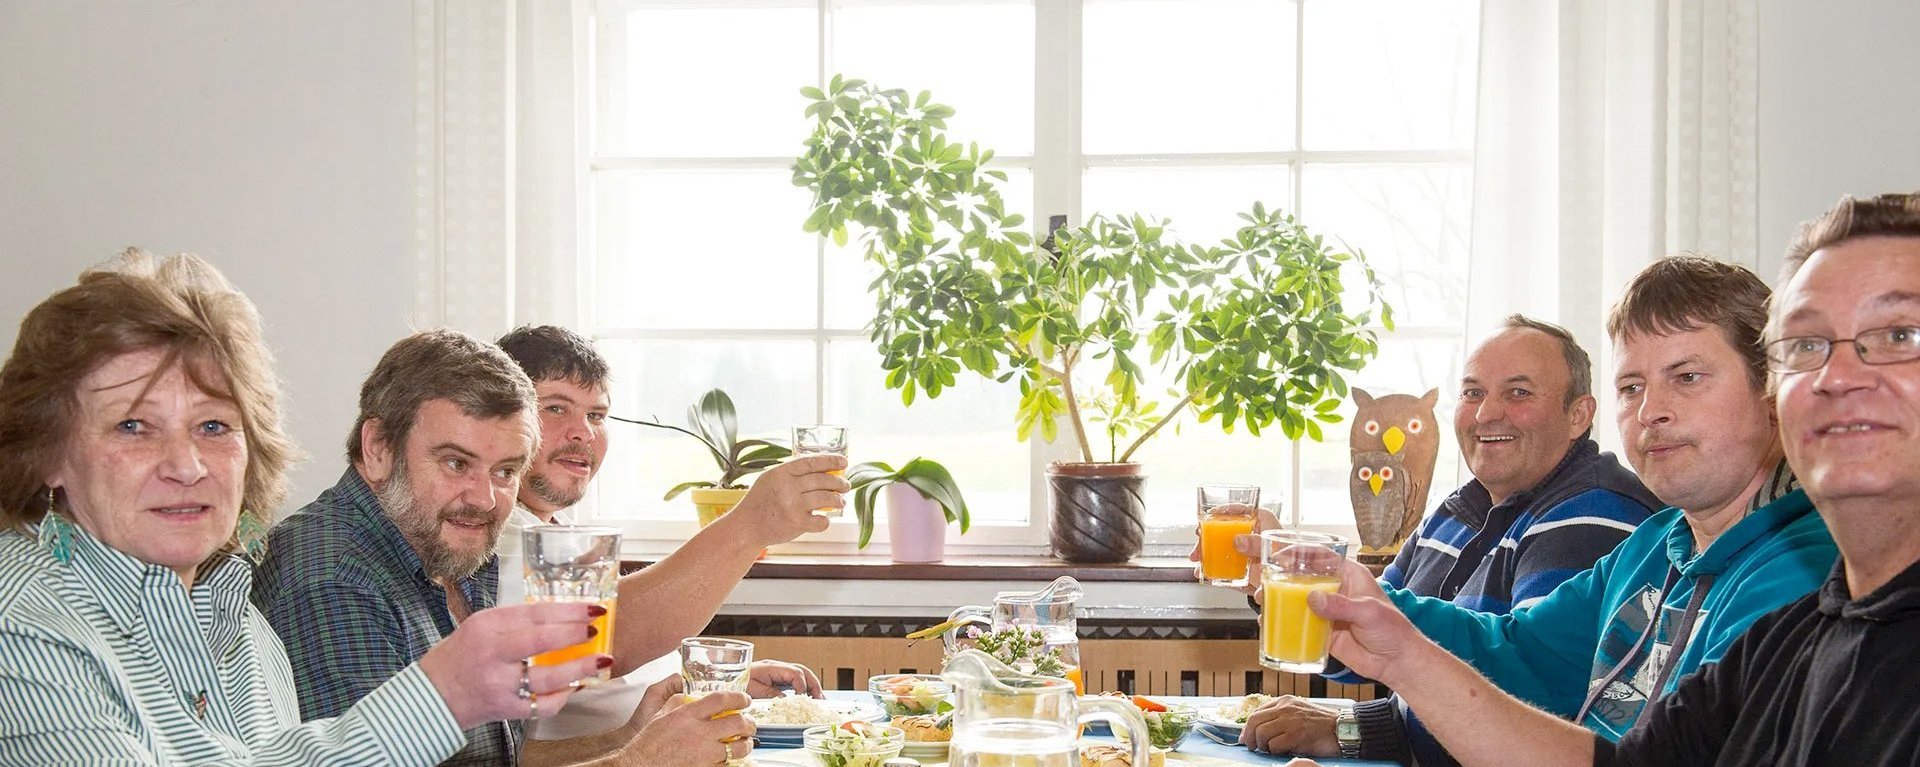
<point x="59" y="532"/>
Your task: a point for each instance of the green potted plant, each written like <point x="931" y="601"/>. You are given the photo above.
<point x="1252" y="331"/>
<point x="922" y="499"/>
<point x="712" y="420"/>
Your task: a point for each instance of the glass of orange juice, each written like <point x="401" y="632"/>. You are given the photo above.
<point x="1226" y="512"/>
<point x="821" y="438"/>
<point x="1293" y="564"/>
<point x="574" y="563"/>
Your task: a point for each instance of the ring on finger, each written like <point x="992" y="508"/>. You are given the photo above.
<point x="533" y="707"/>
<point x="526" y="682"/>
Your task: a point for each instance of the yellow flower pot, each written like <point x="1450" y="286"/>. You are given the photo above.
<point x="709" y="503"/>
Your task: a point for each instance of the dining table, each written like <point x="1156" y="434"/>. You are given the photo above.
<point x="1198" y="750"/>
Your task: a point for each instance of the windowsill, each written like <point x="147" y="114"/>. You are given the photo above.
<point x="959" y="568"/>
<point x="1157" y="588"/>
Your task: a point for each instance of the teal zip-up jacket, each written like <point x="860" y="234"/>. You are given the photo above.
<point x="1554" y="652"/>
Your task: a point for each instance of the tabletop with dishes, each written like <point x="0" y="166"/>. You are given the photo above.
<point x="850" y="729"/>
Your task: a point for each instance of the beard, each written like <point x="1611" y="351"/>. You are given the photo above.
<point x="422" y="528"/>
<point x="555" y="493"/>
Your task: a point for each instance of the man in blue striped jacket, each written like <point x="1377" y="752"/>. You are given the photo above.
<point x="1543" y="506"/>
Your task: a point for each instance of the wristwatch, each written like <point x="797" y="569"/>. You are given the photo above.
<point x="1346" y="729"/>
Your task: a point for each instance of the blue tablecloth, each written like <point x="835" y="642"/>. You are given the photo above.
<point x="1196" y="744"/>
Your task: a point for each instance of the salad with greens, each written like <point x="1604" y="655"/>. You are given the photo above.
<point x="854" y="744"/>
<point x="1167" y="723"/>
<point x="911" y="694"/>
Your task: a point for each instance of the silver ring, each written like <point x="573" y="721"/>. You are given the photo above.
<point x="526" y="682"/>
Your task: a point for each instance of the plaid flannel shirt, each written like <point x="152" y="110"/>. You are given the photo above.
<point x="349" y="598"/>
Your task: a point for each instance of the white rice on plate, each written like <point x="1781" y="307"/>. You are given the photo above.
<point x="795" y="710"/>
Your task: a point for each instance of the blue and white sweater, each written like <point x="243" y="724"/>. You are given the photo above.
<point x="1498" y="558"/>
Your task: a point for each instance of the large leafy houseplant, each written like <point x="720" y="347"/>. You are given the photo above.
<point x="1253" y="330"/>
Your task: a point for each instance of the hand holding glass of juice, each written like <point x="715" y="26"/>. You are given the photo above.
<point x="1293" y="564"/>
<point x="1226" y="512"/>
<point x="821" y="438"/>
<point x="574" y="563"/>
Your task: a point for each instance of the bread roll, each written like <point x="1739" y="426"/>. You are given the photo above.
<point x="1115" y="756"/>
<point x="922" y="729"/>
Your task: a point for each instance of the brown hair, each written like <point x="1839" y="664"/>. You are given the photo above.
<point x="179" y="305"/>
<point x="1579" y="365"/>
<point x="439" y="364"/>
<point x="549" y="352"/>
<point x="1677" y="294"/>
<point x="1888" y="215"/>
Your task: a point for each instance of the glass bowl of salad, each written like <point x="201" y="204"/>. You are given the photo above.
<point x="1168" y="724"/>
<point x="853" y="744"/>
<point x="911" y="694"/>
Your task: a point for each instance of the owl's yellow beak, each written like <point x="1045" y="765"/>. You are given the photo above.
<point x="1374" y="482"/>
<point x="1394" y="440"/>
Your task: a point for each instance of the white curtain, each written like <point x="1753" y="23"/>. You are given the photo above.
<point x="1610" y="134"/>
<point x="495" y="180"/>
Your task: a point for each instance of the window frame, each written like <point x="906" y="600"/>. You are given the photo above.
<point x="1058" y="166"/>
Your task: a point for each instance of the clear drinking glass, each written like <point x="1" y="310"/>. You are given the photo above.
<point x="1293" y="564"/>
<point x="1226" y="512"/>
<point x="714" y="664"/>
<point x="574" y="563"/>
<point x="821" y="438"/>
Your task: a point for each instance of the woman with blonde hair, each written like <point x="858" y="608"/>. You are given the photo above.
<point x="141" y="458"/>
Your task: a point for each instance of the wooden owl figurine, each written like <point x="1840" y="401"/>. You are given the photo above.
<point x="1402" y="426"/>
<point x="1378" y="487"/>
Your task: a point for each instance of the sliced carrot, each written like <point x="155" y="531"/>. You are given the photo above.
<point x="1148" y="705"/>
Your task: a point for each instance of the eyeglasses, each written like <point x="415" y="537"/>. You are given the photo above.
<point x="1879" y="346"/>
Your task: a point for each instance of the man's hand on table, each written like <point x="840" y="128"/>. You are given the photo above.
<point x="1291" y="725"/>
<point x="765" y="679"/>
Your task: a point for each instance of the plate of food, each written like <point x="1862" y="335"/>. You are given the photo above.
<point x="783" y="720"/>
<point x="926" y="737"/>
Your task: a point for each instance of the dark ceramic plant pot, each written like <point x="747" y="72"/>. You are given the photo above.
<point x="1098" y="511"/>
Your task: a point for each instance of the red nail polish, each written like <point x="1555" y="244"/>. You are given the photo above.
<point x="595" y="611"/>
<point x="603" y="662"/>
<point x="593" y="631"/>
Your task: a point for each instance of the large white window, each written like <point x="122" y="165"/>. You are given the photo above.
<point x="1356" y="114"/>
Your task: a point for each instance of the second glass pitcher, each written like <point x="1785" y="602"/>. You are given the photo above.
<point x="1003" y="717"/>
<point x="1051" y="611"/>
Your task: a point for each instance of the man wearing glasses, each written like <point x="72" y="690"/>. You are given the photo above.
<point x="1824" y="680"/>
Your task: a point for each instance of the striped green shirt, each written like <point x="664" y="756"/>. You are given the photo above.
<point x="107" y="661"/>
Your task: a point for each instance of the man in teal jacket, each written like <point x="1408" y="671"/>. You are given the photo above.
<point x="1740" y="541"/>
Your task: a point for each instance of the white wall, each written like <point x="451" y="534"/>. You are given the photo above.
<point x="1839" y="109"/>
<point x="275" y="138"/>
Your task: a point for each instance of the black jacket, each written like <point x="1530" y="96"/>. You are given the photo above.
<point x="1827" y="680"/>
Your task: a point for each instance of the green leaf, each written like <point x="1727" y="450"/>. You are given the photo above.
<point x="683" y="487"/>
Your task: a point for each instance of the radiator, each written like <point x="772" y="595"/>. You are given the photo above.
<point x="1210" y="667"/>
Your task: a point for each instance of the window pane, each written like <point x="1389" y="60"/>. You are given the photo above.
<point x="969" y="429"/>
<point x="771" y="383"/>
<point x="1404" y="366"/>
<point x="975" y="56"/>
<point x="1202" y="454"/>
<point x="1390" y="74"/>
<point x="705" y="80"/>
<point x="1203" y="202"/>
<point x="703" y="249"/>
<point x="1187" y="76"/>
<point x="850" y="305"/>
<point x="1412" y="224"/>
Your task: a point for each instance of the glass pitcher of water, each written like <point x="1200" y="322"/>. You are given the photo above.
<point x="1003" y="717"/>
<point x="1050" y="611"/>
